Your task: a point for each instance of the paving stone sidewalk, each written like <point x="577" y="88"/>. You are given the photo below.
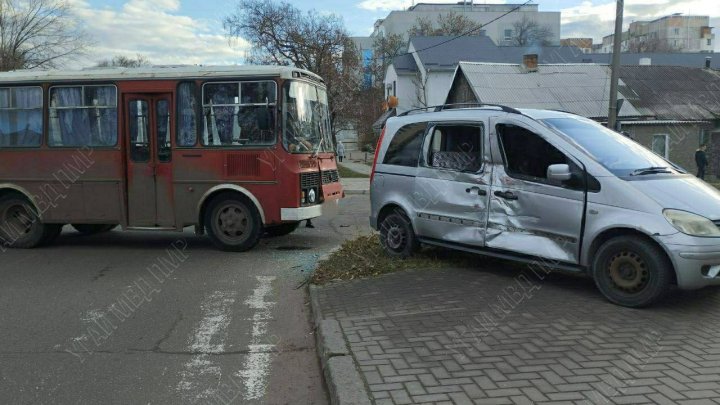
<point x="508" y="335"/>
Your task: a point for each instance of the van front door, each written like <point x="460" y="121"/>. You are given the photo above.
<point x="529" y="213"/>
<point x="149" y="126"/>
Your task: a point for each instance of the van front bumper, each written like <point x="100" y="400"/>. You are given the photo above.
<point x="696" y="260"/>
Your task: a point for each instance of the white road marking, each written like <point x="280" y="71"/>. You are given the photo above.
<point x="208" y="338"/>
<point x="259" y="359"/>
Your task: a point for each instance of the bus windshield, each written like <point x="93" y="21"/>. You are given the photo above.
<point x="306" y="118"/>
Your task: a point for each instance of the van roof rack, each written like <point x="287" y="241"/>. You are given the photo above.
<point x="441" y="107"/>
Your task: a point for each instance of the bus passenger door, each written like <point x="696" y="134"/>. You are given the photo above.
<point x="150" y="187"/>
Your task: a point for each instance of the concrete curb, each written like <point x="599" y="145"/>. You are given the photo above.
<point x="345" y="384"/>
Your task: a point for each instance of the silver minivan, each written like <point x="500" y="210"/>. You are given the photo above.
<point x="549" y="188"/>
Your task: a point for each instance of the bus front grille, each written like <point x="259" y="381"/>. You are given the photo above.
<point x="330" y="176"/>
<point x="309" y="180"/>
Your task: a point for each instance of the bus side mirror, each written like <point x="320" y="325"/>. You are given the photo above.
<point x="263" y="118"/>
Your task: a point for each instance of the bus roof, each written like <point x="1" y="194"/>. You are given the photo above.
<point x="153" y="72"/>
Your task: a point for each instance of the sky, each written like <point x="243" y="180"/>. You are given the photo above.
<point x="191" y="32"/>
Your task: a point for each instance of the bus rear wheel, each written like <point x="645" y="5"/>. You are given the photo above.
<point x="233" y="224"/>
<point x="20" y="225"/>
<point x="92" y="229"/>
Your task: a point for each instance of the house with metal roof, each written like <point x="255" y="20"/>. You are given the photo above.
<point x="669" y="109"/>
<point x="422" y="76"/>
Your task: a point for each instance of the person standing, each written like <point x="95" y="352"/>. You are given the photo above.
<point x="340" y="151"/>
<point x="701" y="161"/>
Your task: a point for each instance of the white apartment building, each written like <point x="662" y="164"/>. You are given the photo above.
<point x="673" y="33"/>
<point x="501" y="31"/>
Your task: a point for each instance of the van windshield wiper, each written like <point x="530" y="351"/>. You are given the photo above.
<point x="650" y="170"/>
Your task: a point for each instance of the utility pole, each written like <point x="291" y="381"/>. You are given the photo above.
<point x="615" y="68"/>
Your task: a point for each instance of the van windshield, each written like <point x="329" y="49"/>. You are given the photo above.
<point x="620" y="155"/>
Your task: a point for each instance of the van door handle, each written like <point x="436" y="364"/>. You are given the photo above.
<point x="508" y="195"/>
<point x="476" y="190"/>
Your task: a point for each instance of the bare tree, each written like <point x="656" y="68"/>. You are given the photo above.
<point x="125" y="61"/>
<point x="421" y="89"/>
<point x="644" y="44"/>
<point x="450" y="24"/>
<point x="281" y="34"/>
<point x="529" y="32"/>
<point x="38" y="34"/>
<point x="385" y="49"/>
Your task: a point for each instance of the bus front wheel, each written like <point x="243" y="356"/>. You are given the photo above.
<point x="20" y="225"/>
<point x="233" y="223"/>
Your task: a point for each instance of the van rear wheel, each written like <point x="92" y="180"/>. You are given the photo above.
<point x="20" y="225"/>
<point x="233" y="224"/>
<point x="631" y="271"/>
<point x="397" y="236"/>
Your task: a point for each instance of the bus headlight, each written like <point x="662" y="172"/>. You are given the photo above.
<point x="311" y="196"/>
<point x="691" y="224"/>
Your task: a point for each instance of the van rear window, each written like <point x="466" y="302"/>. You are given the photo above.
<point x="404" y="148"/>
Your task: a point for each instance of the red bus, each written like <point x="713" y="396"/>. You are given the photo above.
<point x="235" y="152"/>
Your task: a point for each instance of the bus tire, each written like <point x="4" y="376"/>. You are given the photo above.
<point x="93" y="229"/>
<point x="20" y="225"/>
<point x="282" y="229"/>
<point x="233" y="223"/>
<point x="52" y="231"/>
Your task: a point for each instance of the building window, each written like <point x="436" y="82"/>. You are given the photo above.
<point x="676" y="31"/>
<point x="508" y="34"/>
<point x="83" y="116"/>
<point x="709" y="42"/>
<point x="21" y="117"/>
<point x="704" y="137"/>
<point x="660" y="145"/>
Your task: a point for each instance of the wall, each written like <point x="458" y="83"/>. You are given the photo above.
<point x="684" y="140"/>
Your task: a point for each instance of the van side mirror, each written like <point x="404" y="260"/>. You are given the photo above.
<point x="559" y="172"/>
<point x="263" y="118"/>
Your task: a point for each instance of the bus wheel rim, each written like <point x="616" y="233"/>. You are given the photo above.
<point x="17" y="220"/>
<point x="233" y="221"/>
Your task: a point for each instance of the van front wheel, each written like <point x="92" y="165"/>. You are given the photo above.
<point x="631" y="271"/>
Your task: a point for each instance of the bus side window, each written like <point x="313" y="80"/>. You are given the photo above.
<point x="139" y="131"/>
<point x="21" y="119"/>
<point x="187" y="108"/>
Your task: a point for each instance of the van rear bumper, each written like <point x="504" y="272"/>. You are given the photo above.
<point x="694" y="260"/>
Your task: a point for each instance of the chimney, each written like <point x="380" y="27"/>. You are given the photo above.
<point x="708" y="60"/>
<point x="645" y="62"/>
<point x="530" y="61"/>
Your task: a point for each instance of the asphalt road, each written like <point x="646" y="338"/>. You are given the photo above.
<point x="144" y="317"/>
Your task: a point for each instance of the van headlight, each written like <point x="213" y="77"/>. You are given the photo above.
<point x="691" y="224"/>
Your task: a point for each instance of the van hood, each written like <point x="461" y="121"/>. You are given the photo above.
<point x="687" y="193"/>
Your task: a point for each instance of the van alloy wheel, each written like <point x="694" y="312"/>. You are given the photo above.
<point x="396" y="238"/>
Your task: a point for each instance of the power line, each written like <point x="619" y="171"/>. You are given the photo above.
<point x="468" y="32"/>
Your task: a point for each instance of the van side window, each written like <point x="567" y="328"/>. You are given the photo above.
<point x="21" y="117"/>
<point x="456" y="147"/>
<point x="527" y="155"/>
<point x="404" y="149"/>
